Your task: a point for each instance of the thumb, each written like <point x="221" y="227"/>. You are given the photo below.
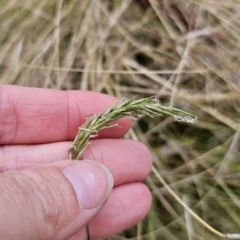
<point x="52" y="202"/>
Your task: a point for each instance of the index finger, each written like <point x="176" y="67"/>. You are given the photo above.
<point x="33" y="115"/>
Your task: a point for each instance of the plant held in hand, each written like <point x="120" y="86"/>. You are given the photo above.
<point x="126" y="107"/>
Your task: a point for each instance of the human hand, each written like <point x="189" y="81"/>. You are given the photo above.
<point x="43" y="196"/>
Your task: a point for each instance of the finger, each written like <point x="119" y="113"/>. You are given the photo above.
<point x="32" y="115"/>
<point x="13" y="157"/>
<point x="127" y="160"/>
<point x="127" y="205"/>
<point x="52" y="203"/>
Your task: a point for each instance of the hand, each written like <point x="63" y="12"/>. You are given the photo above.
<point x="45" y="196"/>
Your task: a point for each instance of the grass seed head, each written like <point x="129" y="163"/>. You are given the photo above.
<point x="126" y="107"/>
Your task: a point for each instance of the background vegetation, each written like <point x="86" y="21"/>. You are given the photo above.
<point x="186" y="52"/>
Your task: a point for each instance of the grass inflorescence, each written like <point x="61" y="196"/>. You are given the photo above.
<point x="125" y="108"/>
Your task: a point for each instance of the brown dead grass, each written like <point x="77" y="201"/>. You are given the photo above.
<point x="186" y="52"/>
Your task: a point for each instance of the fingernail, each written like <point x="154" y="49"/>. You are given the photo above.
<point x="91" y="181"/>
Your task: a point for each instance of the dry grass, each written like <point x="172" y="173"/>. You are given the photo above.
<point x="186" y="52"/>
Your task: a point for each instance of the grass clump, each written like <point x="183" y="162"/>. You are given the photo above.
<point x="184" y="52"/>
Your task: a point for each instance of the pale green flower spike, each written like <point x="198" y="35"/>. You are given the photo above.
<point x="126" y="107"/>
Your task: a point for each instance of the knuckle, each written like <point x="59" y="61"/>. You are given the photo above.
<point x="49" y="197"/>
<point x="39" y="196"/>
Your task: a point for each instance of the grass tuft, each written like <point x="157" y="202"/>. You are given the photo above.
<point x="184" y="52"/>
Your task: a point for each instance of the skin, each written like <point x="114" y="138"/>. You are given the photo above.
<point x="37" y="127"/>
